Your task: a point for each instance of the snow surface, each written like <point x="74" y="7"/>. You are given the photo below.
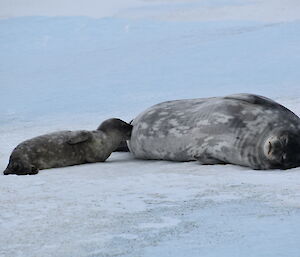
<point x="183" y="10"/>
<point x="73" y="72"/>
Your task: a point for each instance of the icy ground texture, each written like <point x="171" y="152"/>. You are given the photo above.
<point x="183" y="10"/>
<point x="62" y="66"/>
<point x="126" y="207"/>
<point x="72" y="73"/>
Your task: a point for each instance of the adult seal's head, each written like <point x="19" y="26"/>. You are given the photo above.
<point x="66" y="148"/>
<point x="281" y="149"/>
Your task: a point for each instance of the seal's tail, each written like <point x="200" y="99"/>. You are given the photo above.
<point x="7" y="172"/>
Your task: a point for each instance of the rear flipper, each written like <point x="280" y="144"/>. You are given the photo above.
<point x="7" y="172"/>
<point x="19" y="170"/>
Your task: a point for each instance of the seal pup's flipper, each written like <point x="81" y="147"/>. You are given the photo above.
<point x="34" y="170"/>
<point x="79" y="137"/>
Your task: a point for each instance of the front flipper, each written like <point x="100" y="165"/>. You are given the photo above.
<point x="207" y="159"/>
<point x="34" y="170"/>
<point x="79" y="137"/>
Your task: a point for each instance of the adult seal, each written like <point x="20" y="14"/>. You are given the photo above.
<point x="242" y="129"/>
<point x="66" y="148"/>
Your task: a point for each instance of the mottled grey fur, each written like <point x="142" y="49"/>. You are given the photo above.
<point x="243" y="129"/>
<point x="66" y="148"/>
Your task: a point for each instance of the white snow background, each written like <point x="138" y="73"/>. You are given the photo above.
<point x="72" y="64"/>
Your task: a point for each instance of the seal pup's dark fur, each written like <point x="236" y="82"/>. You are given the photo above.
<point x="67" y="148"/>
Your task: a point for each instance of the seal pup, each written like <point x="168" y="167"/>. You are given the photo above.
<point x="67" y="148"/>
<point x="242" y="129"/>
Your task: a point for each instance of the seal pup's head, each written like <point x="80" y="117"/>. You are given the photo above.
<point x="116" y="126"/>
<point x="282" y="149"/>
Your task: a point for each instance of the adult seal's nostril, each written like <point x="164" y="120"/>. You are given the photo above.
<point x="241" y="129"/>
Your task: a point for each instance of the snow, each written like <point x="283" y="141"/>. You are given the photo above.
<point x="99" y="62"/>
<point x="73" y="72"/>
<point x="92" y="8"/>
<point x="216" y="10"/>
<point x="127" y="207"/>
<point x="171" y="10"/>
